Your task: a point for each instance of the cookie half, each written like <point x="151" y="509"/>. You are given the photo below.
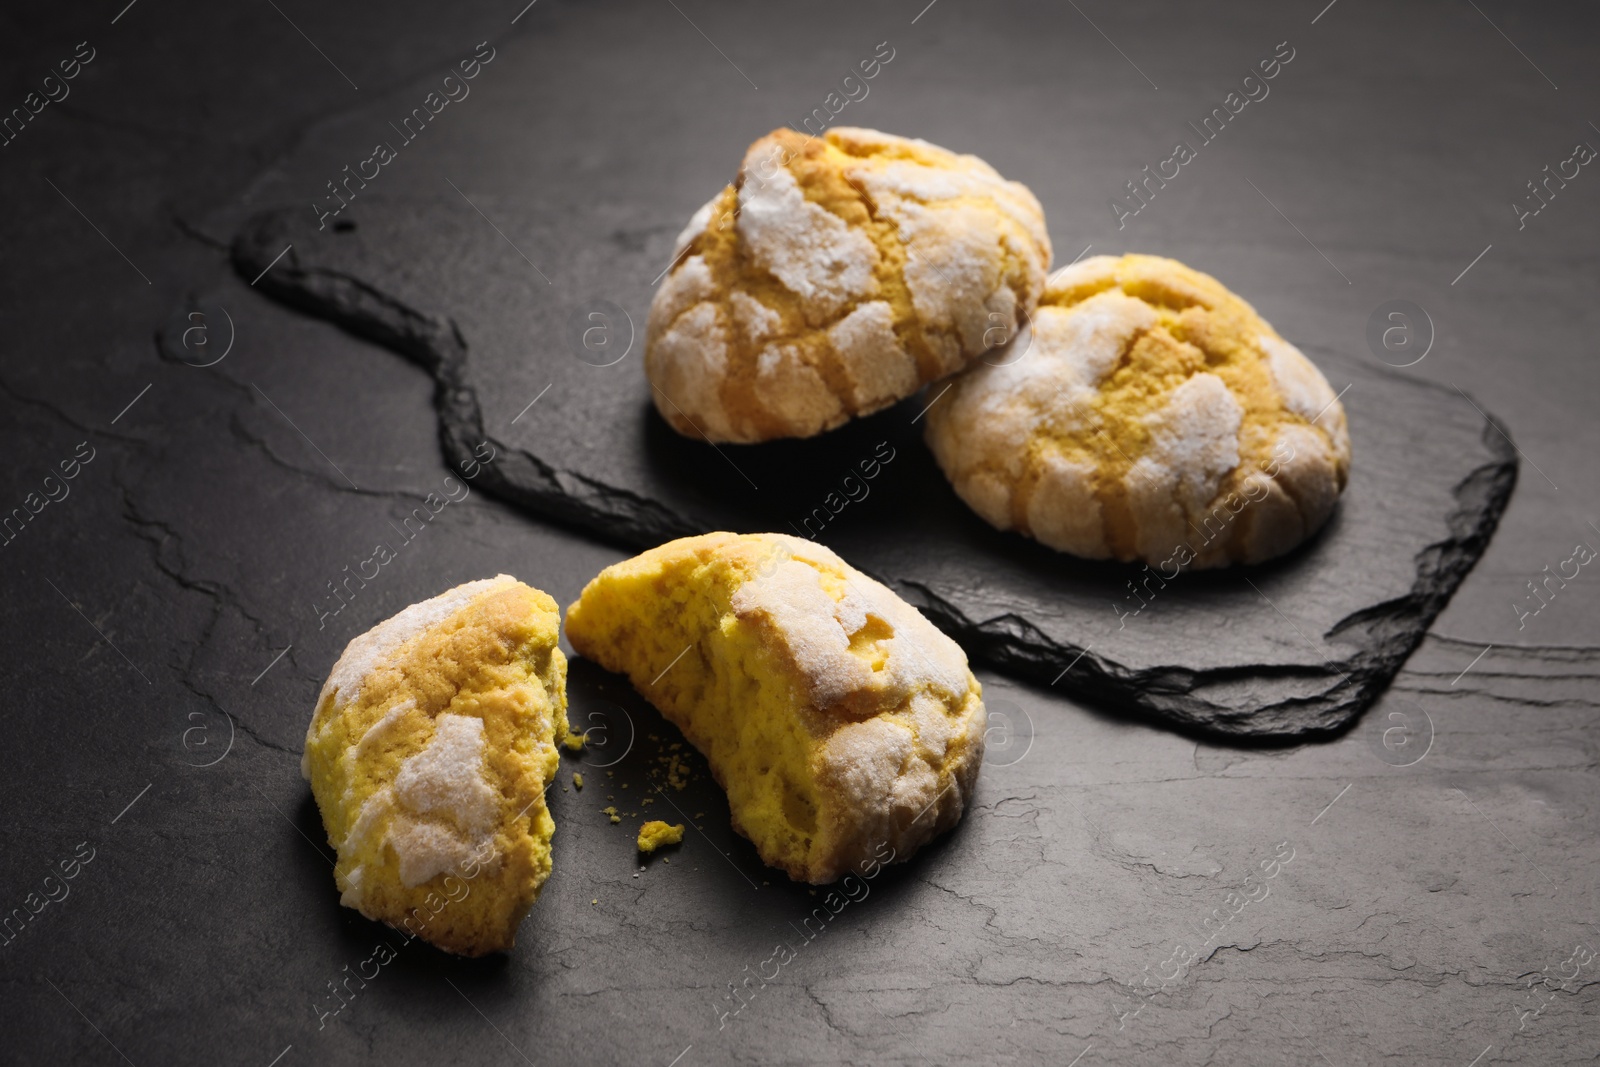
<point x="1147" y="413"/>
<point x="846" y="729"/>
<point x="835" y="276"/>
<point x="428" y="754"/>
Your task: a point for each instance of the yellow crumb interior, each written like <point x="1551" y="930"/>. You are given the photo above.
<point x="724" y="689"/>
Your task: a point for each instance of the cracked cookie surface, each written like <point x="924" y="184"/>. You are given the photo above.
<point x="1146" y="413"/>
<point x="835" y="276"/>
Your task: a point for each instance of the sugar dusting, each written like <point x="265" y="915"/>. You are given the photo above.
<point x="448" y="809"/>
<point x="1303" y="388"/>
<point x="812" y="251"/>
<point x="816" y="630"/>
<point x="372" y="649"/>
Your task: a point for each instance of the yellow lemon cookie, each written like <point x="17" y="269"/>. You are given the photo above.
<point x="840" y="722"/>
<point x="835" y="276"/>
<point x="432" y="743"/>
<point x="1147" y="414"/>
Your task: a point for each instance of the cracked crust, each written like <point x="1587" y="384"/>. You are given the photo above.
<point x="834" y="277"/>
<point x="838" y="719"/>
<point x="433" y="740"/>
<point x="1148" y="414"/>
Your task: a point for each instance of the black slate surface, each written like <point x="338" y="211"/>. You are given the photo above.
<point x="161" y="648"/>
<point x="552" y="378"/>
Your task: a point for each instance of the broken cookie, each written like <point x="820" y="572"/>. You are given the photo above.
<point x="429" y="752"/>
<point x="835" y="716"/>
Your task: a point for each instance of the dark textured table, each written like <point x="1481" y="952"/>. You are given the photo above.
<point x="1421" y="888"/>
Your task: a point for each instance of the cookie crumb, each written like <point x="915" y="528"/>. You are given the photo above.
<point x="656" y="834"/>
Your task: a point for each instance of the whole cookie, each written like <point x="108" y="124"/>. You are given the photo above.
<point x="429" y="753"/>
<point x="1146" y="414"/>
<point x="835" y="276"/>
<point x="846" y="729"/>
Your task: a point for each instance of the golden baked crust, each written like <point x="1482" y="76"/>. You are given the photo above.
<point x="840" y="722"/>
<point x="432" y="743"/>
<point x="835" y="276"/>
<point x="1147" y="414"/>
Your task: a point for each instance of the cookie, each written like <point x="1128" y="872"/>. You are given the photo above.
<point x="1146" y="413"/>
<point x="429" y="752"/>
<point x="835" y="276"/>
<point x="844" y="727"/>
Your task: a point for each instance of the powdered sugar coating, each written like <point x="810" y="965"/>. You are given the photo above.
<point x="1194" y="444"/>
<point x="446" y="778"/>
<point x="813" y="252"/>
<point x="816" y="632"/>
<point x="878" y="368"/>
